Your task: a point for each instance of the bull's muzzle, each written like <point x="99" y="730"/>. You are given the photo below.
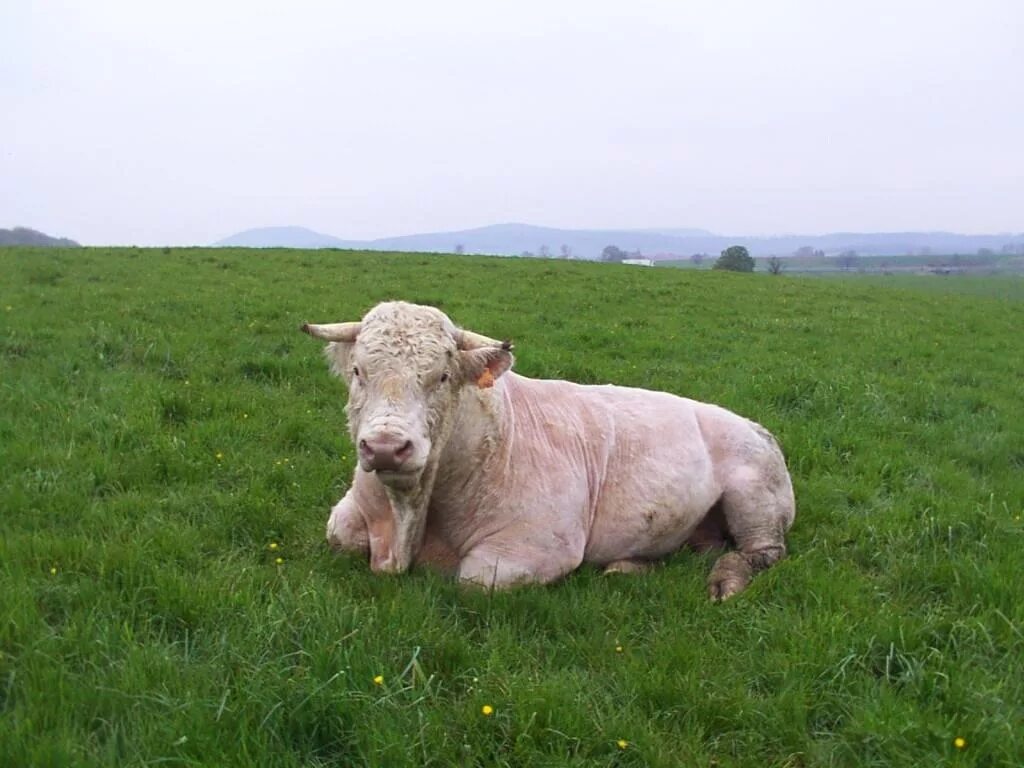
<point x="385" y="452"/>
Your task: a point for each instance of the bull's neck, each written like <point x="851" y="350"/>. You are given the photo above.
<point x="480" y="439"/>
<point x="409" y="509"/>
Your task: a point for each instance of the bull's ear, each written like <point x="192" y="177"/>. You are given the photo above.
<point x="339" y="357"/>
<point x="338" y="353"/>
<point x="482" y="366"/>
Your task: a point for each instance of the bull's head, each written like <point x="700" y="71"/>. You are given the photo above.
<point x="406" y="366"/>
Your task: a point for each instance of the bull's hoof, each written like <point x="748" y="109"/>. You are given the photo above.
<point x="731" y="574"/>
<point x="627" y="566"/>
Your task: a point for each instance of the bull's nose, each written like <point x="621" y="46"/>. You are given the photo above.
<point x="385" y="452"/>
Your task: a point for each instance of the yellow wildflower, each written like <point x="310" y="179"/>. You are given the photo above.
<point x="618" y="649"/>
<point x="487" y="710"/>
<point x="53" y="571"/>
<point x="273" y="545"/>
<point x="622" y="743"/>
<point x="279" y="561"/>
<point x="959" y="742"/>
<point x="378" y="680"/>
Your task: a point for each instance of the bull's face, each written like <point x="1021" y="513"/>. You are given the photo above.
<point x="405" y="366"/>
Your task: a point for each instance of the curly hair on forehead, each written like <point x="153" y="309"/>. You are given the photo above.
<point x="406" y="330"/>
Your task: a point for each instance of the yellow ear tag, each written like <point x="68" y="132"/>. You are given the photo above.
<point x="486" y="380"/>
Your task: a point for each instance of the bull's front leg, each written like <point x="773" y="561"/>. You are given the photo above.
<point x="351" y="528"/>
<point x="362" y="521"/>
<point x="496" y="565"/>
<point x="346" y="527"/>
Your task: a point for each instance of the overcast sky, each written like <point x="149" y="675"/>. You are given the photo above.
<point x="128" y="121"/>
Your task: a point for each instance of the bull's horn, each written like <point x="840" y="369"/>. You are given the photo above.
<point x="333" y="331"/>
<point x="470" y="340"/>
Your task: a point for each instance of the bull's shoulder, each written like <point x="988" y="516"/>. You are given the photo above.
<point x="555" y="402"/>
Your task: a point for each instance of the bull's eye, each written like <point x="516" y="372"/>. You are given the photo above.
<point x="355" y="372"/>
<point x="444" y="377"/>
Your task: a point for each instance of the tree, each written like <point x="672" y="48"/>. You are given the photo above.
<point x="698" y="259"/>
<point x="544" y="252"/>
<point x="460" y="248"/>
<point x="735" y="258"/>
<point x="565" y="251"/>
<point x="804" y="252"/>
<point x="847" y="260"/>
<point x="613" y="253"/>
<point x="775" y="265"/>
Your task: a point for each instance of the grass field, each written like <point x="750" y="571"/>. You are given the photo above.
<point x="167" y="436"/>
<point x="1006" y="287"/>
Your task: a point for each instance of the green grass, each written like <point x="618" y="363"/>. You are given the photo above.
<point x="163" y="423"/>
<point x="1007" y="287"/>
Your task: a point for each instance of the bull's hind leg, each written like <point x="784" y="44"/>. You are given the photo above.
<point x="758" y="508"/>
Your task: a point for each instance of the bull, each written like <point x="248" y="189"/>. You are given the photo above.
<point x="503" y="479"/>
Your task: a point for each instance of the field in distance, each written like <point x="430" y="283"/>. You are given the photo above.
<point x="974" y="265"/>
<point x="171" y="443"/>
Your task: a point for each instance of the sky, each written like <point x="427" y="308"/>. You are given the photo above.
<point x="172" y="123"/>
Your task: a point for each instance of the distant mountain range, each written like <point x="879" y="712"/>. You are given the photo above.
<point x="26" y="236"/>
<point x="668" y="243"/>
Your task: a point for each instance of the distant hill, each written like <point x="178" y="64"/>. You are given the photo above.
<point x="26" y="236"/>
<point x="519" y="239"/>
<point x="515" y="239"/>
<point x="285" y="237"/>
<point x="679" y="231"/>
<point x="512" y="239"/>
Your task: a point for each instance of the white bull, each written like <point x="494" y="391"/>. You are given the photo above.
<point x="503" y="479"/>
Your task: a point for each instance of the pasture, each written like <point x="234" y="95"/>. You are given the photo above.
<point x="170" y="445"/>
